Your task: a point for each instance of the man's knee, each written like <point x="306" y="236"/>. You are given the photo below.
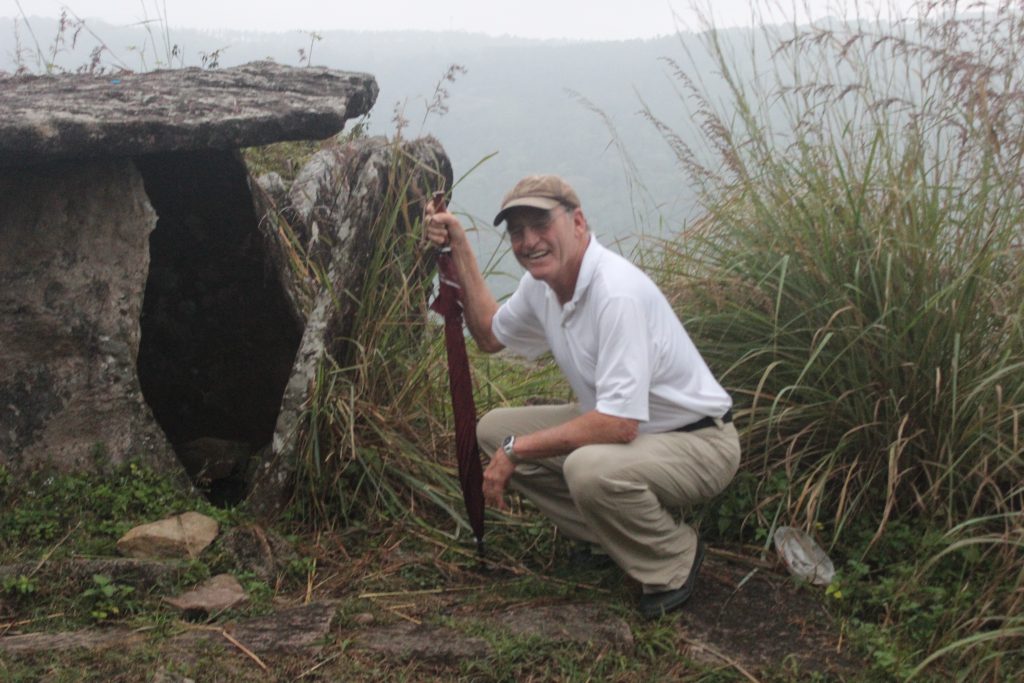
<point x="586" y="478"/>
<point x="491" y="429"/>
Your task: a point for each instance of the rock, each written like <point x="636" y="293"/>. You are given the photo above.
<point x="273" y="186"/>
<point x="29" y="643"/>
<point x="292" y="630"/>
<point x="337" y="201"/>
<point x="118" y="339"/>
<point x="181" y="536"/>
<point x="66" y="116"/>
<point x="300" y="629"/>
<point x="217" y="594"/>
<point x="421" y="642"/>
<point x="584" y="624"/>
<point x="255" y="549"/>
<point x="74" y="254"/>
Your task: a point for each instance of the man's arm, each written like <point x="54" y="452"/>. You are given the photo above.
<point x="479" y="304"/>
<point x="588" y="428"/>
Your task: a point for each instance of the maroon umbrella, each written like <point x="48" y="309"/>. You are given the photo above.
<point x="448" y="304"/>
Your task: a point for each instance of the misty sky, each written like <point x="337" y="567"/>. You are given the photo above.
<point x="574" y="19"/>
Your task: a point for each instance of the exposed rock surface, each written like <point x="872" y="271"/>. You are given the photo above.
<point x="216" y="594"/>
<point x="74" y="116"/>
<point x="180" y="536"/>
<point x="568" y="624"/>
<point x="422" y="642"/>
<point x="57" y="642"/>
<point x="588" y="625"/>
<point x="337" y="203"/>
<point x="73" y="262"/>
<point x="299" y="629"/>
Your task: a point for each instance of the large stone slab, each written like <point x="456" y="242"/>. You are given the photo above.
<point x="421" y="642"/>
<point x="298" y="629"/>
<point x="583" y="624"/>
<point x="337" y="209"/>
<point x="29" y="643"/>
<point x="81" y="116"/>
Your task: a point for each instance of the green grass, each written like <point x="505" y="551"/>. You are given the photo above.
<point x="856" y="282"/>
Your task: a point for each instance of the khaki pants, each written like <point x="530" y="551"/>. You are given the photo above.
<point x="622" y="496"/>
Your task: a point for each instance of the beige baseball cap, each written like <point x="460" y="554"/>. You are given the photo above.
<point x="539" y="192"/>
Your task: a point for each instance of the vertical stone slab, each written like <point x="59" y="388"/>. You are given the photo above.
<point x="74" y="255"/>
<point x="336" y="201"/>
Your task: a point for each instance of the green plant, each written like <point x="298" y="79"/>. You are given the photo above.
<point x="87" y="514"/>
<point x="106" y="599"/>
<point x="19" y="586"/>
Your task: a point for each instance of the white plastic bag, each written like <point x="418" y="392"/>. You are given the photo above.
<point x="803" y="557"/>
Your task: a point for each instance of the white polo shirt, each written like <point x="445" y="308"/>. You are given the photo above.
<point x="618" y="342"/>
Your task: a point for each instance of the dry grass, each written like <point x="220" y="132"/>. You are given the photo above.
<point x="856" y="281"/>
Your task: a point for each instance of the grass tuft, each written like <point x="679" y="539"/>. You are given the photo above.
<point x="856" y="282"/>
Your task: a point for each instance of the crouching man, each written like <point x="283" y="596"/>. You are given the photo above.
<point x="652" y="430"/>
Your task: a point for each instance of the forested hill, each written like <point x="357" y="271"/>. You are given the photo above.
<point x="558" y="106"/>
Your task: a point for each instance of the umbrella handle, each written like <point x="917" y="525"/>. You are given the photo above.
<point x="440" y="203"/>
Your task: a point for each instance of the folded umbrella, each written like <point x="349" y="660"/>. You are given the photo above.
<point x="448" y="303"/>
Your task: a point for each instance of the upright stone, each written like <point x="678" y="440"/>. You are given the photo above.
<point x="73" y="261"/>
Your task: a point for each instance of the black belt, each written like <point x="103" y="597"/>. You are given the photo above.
<point x="704" y="423"/>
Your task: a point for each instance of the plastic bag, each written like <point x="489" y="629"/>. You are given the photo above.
<point x="803" y="557"/>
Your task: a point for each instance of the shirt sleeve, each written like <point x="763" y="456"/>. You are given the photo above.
<point x="517" y="326"/>
<point x="623" y="377"/>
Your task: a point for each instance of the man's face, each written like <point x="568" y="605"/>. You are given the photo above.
<point x="548" y="244"/>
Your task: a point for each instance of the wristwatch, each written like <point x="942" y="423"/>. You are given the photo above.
<point x="509" y="446"/>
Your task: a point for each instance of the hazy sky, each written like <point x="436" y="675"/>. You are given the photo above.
<point x="575" y="19"/>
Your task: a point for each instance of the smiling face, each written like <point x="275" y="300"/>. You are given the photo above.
<point x="550" y="245"/>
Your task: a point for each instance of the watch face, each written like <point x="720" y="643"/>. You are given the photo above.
<point x="507" y="444"/>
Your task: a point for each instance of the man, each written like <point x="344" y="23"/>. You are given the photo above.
<point x="652" y="430"/>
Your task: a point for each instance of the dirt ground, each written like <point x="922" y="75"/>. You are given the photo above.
<point x="746" y="621"/>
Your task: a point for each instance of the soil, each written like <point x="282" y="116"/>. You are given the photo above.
<point x="745" y="617"/>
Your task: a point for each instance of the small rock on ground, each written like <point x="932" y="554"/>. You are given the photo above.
<point x="180" y="536"/>
<point x="219" y="593"/>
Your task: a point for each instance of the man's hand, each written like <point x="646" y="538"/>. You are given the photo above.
<point x="442" y="228"/>
<point x="496" y="478"/>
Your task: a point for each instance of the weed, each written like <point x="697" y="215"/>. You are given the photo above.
<point x="107" y="599"/>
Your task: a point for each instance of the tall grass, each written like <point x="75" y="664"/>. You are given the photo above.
<point x="376" y="446"/>
<point x="856" y="281"/>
